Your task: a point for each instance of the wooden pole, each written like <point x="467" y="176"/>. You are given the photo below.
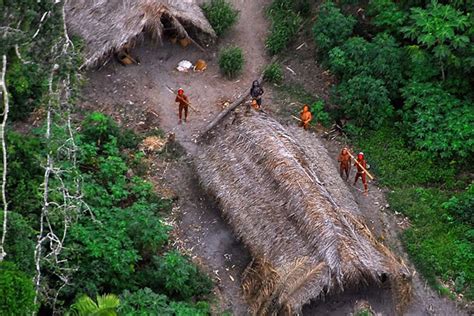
<point x="296" y="118"/>
<point x="367" y="172"/>
<point x="189" y="104"/>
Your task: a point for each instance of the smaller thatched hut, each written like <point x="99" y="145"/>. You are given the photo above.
<point x="305" y="237"/>
<point x="108" y="25"/>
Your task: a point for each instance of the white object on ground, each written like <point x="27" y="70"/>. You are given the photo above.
<point x="184" y="66"/>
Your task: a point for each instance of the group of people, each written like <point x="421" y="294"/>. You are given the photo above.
<point x="344" y="160"/>
<point x="256" y="92"/>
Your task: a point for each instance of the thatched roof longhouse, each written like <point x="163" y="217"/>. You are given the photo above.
<point x="303" y="242"/>
<point x="107" y="25"/>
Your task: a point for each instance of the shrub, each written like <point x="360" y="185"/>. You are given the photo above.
<point x="231" y="61"/>
<point x="438" y="122"/>
<point x="285" y="23"/>
<point x="143" y="302"/>
<point x="365" y="100"/>
<point x="16" y="291"/>
<point x="317" y="109"/>
<point x="221" y="15"/>
<point x="332" y="28"/>
<point x="273" y="73"/>
<point x="183" y="279"/>
<point x="462" y="206"/>
<point x="99" y="128"/>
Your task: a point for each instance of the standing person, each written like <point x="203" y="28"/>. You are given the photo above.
<point x="344" y="163"/>
<point x="361" y="172"/>
<point x="305" y="117"/>
<point x="256" y="92"/>
<point x="183" y="105"/>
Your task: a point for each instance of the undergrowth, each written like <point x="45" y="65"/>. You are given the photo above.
<point x="440" y="238"/>
<point x="221" y="14"/>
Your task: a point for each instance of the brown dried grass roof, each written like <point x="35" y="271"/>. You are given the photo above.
<point x="107" y="25"/>
<point x="303" y="242"/>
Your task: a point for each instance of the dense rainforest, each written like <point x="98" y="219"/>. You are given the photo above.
<point x="79" y="220"/>
<point x="82" y="220"/>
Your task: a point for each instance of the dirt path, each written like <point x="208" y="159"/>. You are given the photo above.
<point x="127" y="93"/>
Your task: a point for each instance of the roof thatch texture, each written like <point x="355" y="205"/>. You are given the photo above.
<point x="108" y="25"/>
<point x="303" y="243"/>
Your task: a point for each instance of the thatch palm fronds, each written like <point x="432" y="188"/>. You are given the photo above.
<point x="303" y="242"/>
<point x="108" y="25"/>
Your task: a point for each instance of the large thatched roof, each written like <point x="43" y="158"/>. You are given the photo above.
<point x="305" y="237"/>
<point x="107" y="25"/>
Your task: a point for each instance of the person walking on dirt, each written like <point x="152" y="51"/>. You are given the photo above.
<point x="361" y="165"/>
<point x="305" y="117"/>
<point x="344" y="160"/>
<point x="256" y="92"/>
<point x="183" y="104"/>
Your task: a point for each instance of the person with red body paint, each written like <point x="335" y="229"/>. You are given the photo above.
<point x="361" y="172"/>
<point x="183" y="104"/>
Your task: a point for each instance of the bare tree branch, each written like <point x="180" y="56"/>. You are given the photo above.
<point x="4" y="154"/>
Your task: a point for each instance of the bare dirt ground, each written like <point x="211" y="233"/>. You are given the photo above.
<point x="138" y="97"/>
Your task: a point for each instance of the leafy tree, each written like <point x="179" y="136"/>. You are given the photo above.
<point x="16" y="291"/>
<point x="106" y="305"/>
<point x="440" y="29"/>
<point x="387" y="15"/>
<point x="381" y="59"/>
<point x="332" y="27"/>
<point x="221" y="14"/>
<point x="438" y="122"/>
<point x="365" y="100"/>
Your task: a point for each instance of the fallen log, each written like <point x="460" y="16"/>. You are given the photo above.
<point x="231" y="107"/>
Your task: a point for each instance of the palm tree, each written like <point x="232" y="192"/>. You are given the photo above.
<point x="85" y="306"/>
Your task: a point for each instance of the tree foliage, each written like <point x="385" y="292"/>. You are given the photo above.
<point x="221" y="14"/>
<point x="381" y="59"/>
<point x="437" y="122"/>
<point x="145" y="302"/>
<point x="441" y="30"/>
<point x="332" y="27"/>
<point x="365" y="100"/>
<point x="16" y="291"/>
<point x="105" y="305"/>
